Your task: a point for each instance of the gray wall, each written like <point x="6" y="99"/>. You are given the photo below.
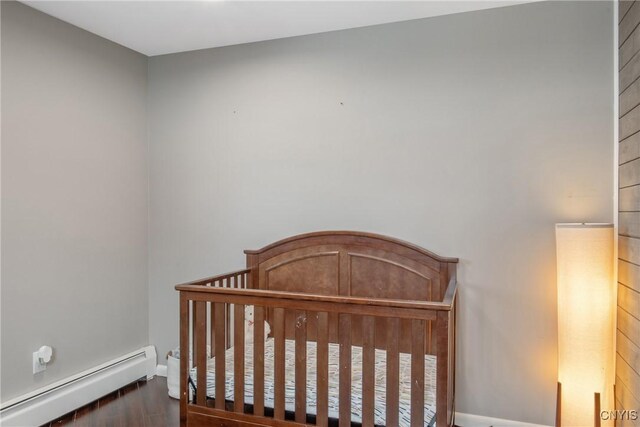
<point x="74" y="198"/>
<point x="469" y="134"/>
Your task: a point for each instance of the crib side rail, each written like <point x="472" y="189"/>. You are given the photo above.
<point x="239" y="279"/>
<point x="204" y="323"/>
<point x="355" y="305"/>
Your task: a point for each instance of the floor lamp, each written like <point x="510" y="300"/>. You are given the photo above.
<point x="586" y="322"/>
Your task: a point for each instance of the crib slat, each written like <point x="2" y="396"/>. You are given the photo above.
<point x="238" y="358"/>
<point x="417" y="372"/>
<point x="279" y="368"/>
<point x="368" y="370"/>
<point x="301" y="367"/>
<point x="227" y="334"/>
<point x="212" y="334"/>
<point x="393" y="366"/>
<point x="192" y="329"/>
<point x="344" y="392"/>
<point x="200" y="350"/>
<point x="220" y="327"/>
<point x="322" y="369"/>
<point x="226" y="283"/>
<point x="258" y="360"/>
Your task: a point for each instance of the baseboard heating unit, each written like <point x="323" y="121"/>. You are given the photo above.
<point x="64" y="396"/>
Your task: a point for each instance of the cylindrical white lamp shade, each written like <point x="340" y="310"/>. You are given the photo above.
<point x="586" y="320"/>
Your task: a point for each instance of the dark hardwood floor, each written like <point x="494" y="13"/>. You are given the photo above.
<point x="140" y="404"/>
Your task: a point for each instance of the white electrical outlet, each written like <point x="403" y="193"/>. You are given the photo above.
<point x="37" y="366"/>
<point x="41" y="358"/>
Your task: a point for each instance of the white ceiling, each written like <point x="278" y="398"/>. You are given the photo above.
<point x="161" y="27"/>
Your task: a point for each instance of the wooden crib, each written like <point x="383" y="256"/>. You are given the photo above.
<point x="355" y="321"/>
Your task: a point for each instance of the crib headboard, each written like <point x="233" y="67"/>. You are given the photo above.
<point x="351" y="263"/>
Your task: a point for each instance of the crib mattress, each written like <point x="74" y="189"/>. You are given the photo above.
<point x="333" y="401"/>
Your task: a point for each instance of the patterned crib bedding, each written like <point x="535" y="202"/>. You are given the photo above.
<point x="333" y="356"/>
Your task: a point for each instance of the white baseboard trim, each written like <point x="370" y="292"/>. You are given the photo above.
<point x="161" y="370"/>
<point x="469" y="420"/>
<point x="62" y="397"/>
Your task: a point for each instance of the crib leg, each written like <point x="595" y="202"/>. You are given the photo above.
<point x="443" y="410"/>
<point x="184" y="346"/>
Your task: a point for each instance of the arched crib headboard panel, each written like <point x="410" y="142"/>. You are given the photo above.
<point x="351" y="263"/>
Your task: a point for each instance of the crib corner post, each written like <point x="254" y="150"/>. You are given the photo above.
<point x="253" y="276"/>
<point x="443" y="404"/>
<point x="184" y="361"/>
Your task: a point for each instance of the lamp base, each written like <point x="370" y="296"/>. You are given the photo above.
<point x="597" y="421"/>
<point x="559" y="405"/>
<point x="596" y="405"/>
